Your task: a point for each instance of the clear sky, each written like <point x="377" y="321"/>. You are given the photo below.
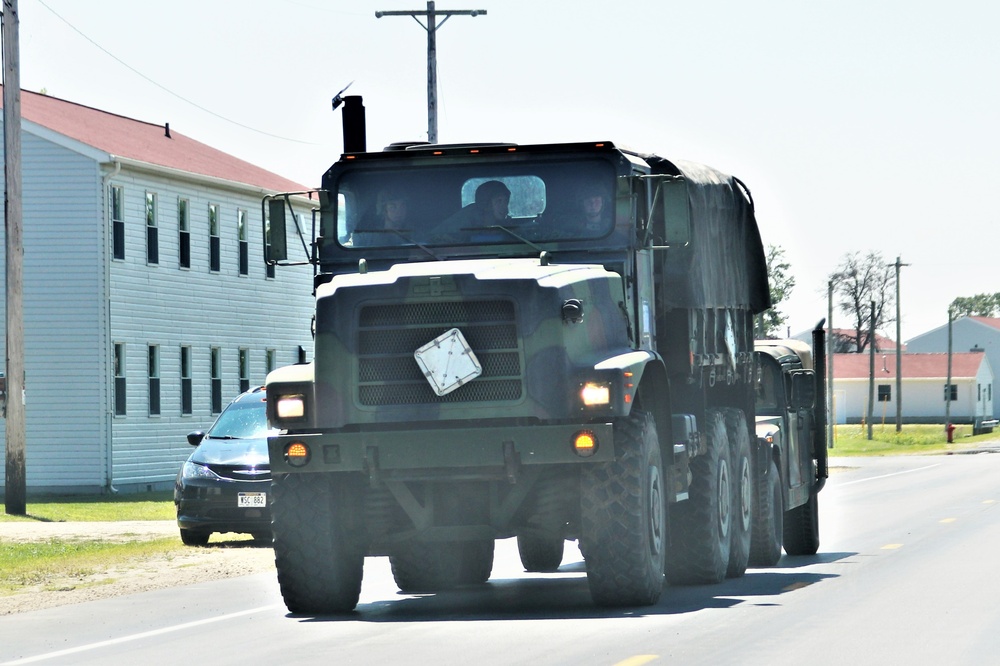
<point x="859" y="125"/>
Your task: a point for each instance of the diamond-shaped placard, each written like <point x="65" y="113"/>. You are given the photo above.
<point x="448" y="362"/>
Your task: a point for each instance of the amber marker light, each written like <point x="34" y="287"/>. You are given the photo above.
<point x="585" y="443"/>
<point x="297" y="454"/>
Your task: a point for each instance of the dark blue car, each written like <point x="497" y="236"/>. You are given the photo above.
<point x="223" y="485"/>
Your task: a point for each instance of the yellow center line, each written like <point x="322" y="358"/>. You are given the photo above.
<point x="989" y="501"/>
<point x="638" y="660"/>
<point x="948" y="520"/>
<point x="892" y="546"/>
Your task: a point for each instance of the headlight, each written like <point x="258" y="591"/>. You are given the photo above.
<point x="595" y="394"/>
<point x="192" y="470"/>
<point x="291" y="406"/>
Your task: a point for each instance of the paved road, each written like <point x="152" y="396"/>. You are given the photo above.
<point x="906" y="574"/>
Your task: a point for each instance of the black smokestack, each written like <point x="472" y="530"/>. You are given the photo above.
<point x="354" y="125"/>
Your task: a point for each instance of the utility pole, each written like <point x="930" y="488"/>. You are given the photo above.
<point x="947" y="386"/>
<point x="899" y="357"/>
<point x="15" y="486"/>
<point x="830" y="349"/>
<point x="432" y="27"/>
<point x="871" y="371"/>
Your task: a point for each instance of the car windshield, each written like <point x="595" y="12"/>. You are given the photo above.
<point x="475" y="204"/>
<point x="245" y="419"/>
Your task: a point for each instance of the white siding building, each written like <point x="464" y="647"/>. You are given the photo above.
<point x="968" y="334"/>
<point x="147" y="304"/>
<point x="924" y="380"/>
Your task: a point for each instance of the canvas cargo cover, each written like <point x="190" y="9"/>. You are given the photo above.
<point x="724" y="266"/>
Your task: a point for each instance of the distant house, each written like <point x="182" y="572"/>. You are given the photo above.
<point x="968" y="334"/>
<point x="924" y="381"/>
<point x="147" y="304"/>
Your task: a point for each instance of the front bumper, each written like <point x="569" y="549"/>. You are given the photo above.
<point x="212" y="506"/>
<point x="501" y="449"/>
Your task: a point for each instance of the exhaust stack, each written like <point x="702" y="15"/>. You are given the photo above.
<point x="354" y="125"/>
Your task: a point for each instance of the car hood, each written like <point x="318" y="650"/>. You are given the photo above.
<point x="249" y="452"/>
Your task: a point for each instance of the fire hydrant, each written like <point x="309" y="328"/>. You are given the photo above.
<point x="950" y="429"/>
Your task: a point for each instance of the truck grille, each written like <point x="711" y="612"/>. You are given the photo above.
<point x="389" y="334"/>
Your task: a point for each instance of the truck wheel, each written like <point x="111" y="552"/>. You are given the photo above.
<point x="700" y="526"/>
<point x="476" y="562"/>
<point x="801" y="529"/>
<point x="422" y="567"/>
<point x="768" y="520"/>
<point x="623" y="522"/>
<point x="540" y="553"/>
<point x="319" y="543"/>
<point x="739" y="445"/>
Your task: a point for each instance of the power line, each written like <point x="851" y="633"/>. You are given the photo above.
<point x="168" y="90"/>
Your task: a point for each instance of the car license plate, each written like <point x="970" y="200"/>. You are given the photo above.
<point x="248" y="500"/>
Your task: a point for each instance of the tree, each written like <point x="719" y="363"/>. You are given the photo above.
<point x="980" y="305"/>
<point x="859" y="281"/>
<point x="781" y="283"/>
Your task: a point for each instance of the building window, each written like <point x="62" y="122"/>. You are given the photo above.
<point x="884" y="392"/>
<point x="270" y="360"/>
<point x="183" y="233"/>
<point x="154" y="380"/>
<point x="116" y="204"/>
<point x="952" y="395"/>
<point x="152" y="234"/>
<point x="268" y="267"/>
<point x="214" y="243"/>
<point x="216" y="380"/>
<point x="241" y="234"/>
<point x="119" y="379"/>
<point x="244" y="370"/>
<point x="186" y="381"/>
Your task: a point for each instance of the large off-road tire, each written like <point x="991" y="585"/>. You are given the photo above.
<point x="319" y="541"/>
<point x="801" y="529"/>
<point x="477" y="562"/>
<point x="743" y="492"/>
<point x="701" y="525"/>
<point x="423" y="567"/>
<point x="623" y="521"/>
<point x="539" y="552"/>
<point x="768" y="520"/>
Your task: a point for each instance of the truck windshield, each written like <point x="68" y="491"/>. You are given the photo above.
<point x="474" y="203"/>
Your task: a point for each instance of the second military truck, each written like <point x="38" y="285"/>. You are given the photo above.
<point x="544" y="342"/>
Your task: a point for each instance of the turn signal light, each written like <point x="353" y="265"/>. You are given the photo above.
<point x="297" y="454"/>
<point x="585" y="443"/>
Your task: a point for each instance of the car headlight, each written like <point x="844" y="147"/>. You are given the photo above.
<point x="192" y="470"/>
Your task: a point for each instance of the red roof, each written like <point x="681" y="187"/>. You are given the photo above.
<point x="993" y="322"/>
<point x="915" y="366"/>
<point x="144" y="142"/>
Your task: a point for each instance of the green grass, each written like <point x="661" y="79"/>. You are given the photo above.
<point x="915" y="439"/>
<point x="90" y="508"/>
<point x="55" y="561"/>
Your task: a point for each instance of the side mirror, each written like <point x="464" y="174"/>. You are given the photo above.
<point x="670" y="217"/>
<point x="275" y="238"/>
<point x="194" y="438"/>
<point x="803" y="389"/>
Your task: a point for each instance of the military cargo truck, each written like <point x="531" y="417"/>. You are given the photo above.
<point x="540" y="342"/>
